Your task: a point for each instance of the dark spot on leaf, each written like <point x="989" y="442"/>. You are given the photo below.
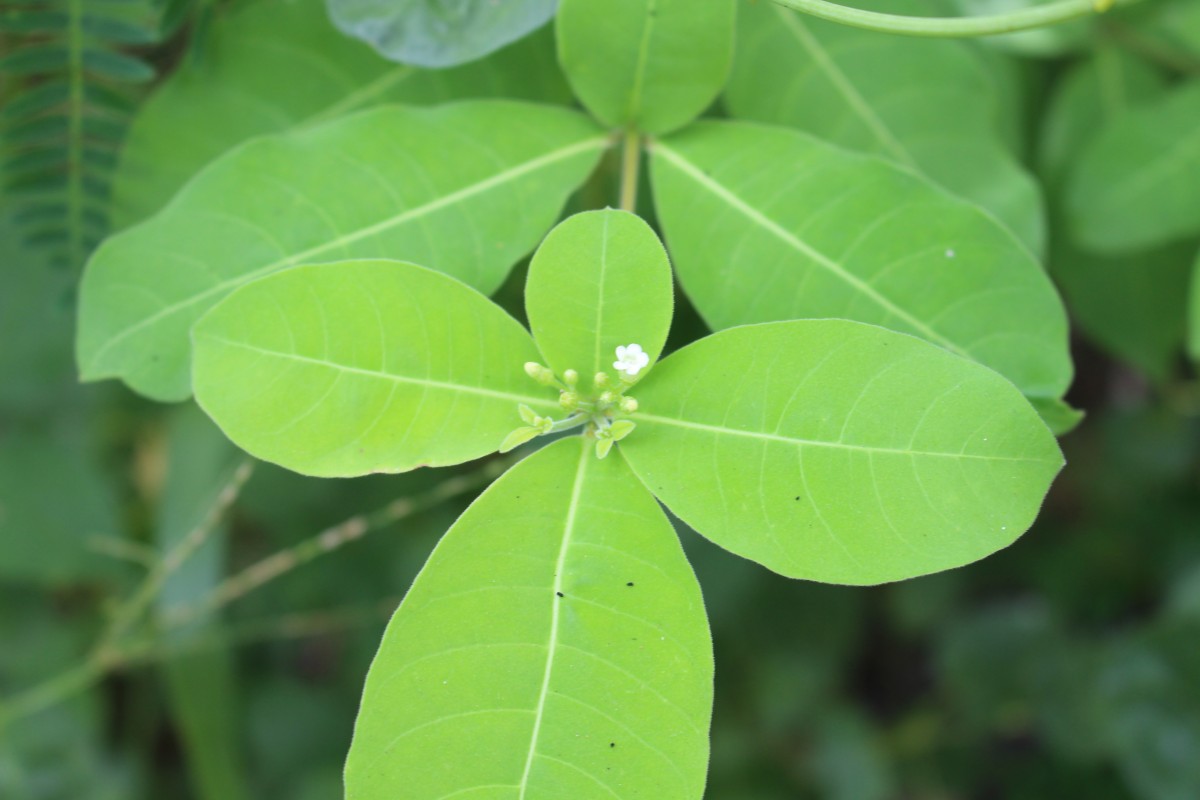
<point x="629" y="584"/>
<point x="560" y="594"/>
<point x="797" y="497"/>
<point x="612" y="744"/>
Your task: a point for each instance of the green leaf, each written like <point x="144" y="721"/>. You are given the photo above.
<point x="1058" y="415"/>
<point x="1095" y="93"/>
<point x="1134" y="307"/>
<point x="467" y="189"/>
<point x="653" y="65"/>
<point x="838" y="234"/>
<point x="435" y="33"/>
<point x="117" y="66"/>
<point x="841" y="452"/>
<point x="554" y="646"/>
<point x="363" y="366"/>
<point x="601" y="279"/>
<point x="931" y="106"/>
<point x="1138" y="183"/>
<point x="274" y="66"/>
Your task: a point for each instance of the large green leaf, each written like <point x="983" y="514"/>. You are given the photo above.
<point x="437" y="33"/>
<point x="600" y="280"/>
<point x="653" y="65"/>
<point x="836" y="234"/>
<point x="929" y="105"/>
<point x="273" y="66"/>
<point x="363" y="366"/>
<point x="1138" y="183"/>
<point x="841" y="452"/>
<point x="467" y="189"/>
<point x="555" y="646"/>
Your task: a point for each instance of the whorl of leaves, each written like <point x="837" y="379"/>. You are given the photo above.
<point x="68" y="83"/>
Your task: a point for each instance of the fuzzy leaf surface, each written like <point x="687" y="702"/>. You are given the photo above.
<point x="467" y="189"/>
<point x="555" y="645"/>
<point x="649" y="64"/>
<point x="841" y="452"/>
<point x="355" y="367"/>
<point x="837" y="234"/>
<point x="600" y="279"/>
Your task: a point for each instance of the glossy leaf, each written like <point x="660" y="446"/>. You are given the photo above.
<point x="467" y="189"/>
<point x="838" y="234"/>
<point x="653" y="65"/>
<point x="274" y="66"/>
<point x="436" y="33"/>
<point x="840" y="452"/>
<point x="554" y="646"/>
<point x="928" y="105"/>
<point x="363" y="366"/>
<point x="1138" y="183"/>
<point x="600" y="280"/>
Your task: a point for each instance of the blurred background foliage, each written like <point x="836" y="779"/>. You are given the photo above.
<point x="1065" y="666"/>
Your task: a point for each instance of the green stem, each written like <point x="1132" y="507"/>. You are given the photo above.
<point x="330" y="539"/>
<point x="1024" y="19"/>
<point x="53" y="691"/>
<point x="631" y="160"/>
<point x="129" y="612"/>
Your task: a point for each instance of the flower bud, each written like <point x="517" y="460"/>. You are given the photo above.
<point x="628" y="405"/>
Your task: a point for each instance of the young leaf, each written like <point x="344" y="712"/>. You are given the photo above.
<point x="434" y="33"/>
<point x="467" y="189"/>
<point x="600" y="280"/>
<point x="841" y="452"/>
<point x="837" y="234"/>
<point x="355" y="367"/>
<point x="270" y="67"/>
<point x="554" y="646"/>
<point x="1138" y="183"/>
<point x="928" y="105"/>
<point x="653" y="65"/>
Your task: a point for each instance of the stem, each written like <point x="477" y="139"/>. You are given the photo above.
<point x="631" y="160"/>
<point x="75" y="196"/>
<point x="1024" y="19"/>
<point x="130" y="611"/>
<point x="54" y="690"/>
<point x="330" y="539"/>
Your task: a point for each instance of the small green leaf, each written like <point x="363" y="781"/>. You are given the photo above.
<point x="838" y="234"/>
<point x="436" y="33"/>
<point x="858" y="89"/>
<point x="653" y="65"/>
<point x="1138" y="183"/>
<point x="362" y="366"/>
<point x="466" y="188"/>
<point x="554" y="646"/>
<point x="1058" y="415"/>
<point x="600" y="280"/>
<point x="239" y="87"/>
<point x="841" y="452"/>
<point x="117" y="66"/>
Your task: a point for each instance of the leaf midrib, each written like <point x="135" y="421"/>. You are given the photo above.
<point x="555" y="598"/>
<point x="380" y="374"/>
<point x="846" y="88"/>
<point x="408" y="215"/>
<point x="775" y="437"/>
<point x="819" y="258"/>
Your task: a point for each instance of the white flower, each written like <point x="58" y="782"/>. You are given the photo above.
<point x="631" y="359"/>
